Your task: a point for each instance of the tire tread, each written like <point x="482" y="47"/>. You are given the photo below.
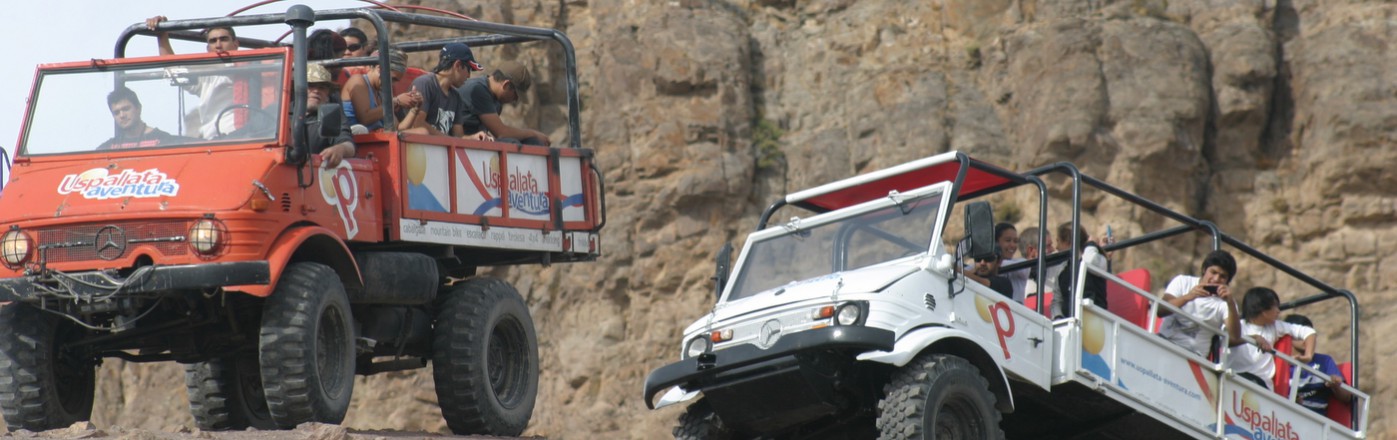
<point x="901" y="411"/>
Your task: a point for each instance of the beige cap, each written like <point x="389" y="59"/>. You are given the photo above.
<point x="316" y="73"/>
<point x="518" y="74"/>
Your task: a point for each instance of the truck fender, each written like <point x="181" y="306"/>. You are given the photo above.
<point x="309" y="243"/>
<point x="988" y="358"/>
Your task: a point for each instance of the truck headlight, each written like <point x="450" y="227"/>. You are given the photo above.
<point x="15" y="248"/>
<point x="697" y="346"/>
<point x="206" y="236"/>
<point x="849" y="314"/>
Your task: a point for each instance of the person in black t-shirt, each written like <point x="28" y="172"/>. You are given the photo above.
<point x="442" y="111"/>
<point x="485" y="98"/>
<point x="131" y="131"/>
<point x="986" y="272"/>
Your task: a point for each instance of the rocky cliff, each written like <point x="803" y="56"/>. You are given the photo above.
<point x="1277" y="119"/>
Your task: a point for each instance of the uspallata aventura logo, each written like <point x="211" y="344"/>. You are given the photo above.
<point x="98" y="184"/>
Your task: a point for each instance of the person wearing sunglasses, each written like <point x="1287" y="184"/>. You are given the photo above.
<point x="485" y="98"/>
<point x="356" y="43"/>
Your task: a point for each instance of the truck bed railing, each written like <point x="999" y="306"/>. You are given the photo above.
<point x="1156" y="303"/>
<point x="1165" y="402"/>
<point x="1193" y="224"/>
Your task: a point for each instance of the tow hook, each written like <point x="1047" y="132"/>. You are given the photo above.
<point x="707" y="360"/>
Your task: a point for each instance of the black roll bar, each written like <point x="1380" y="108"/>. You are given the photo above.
<point x="770" y="210"/>
<point x="1190" y="223"/>
<point x="507" y="33"/>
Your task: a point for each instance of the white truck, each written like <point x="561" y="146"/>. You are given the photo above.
<point x="855" y="322"/>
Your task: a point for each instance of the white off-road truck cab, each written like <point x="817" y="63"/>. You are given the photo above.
<point x="856" y="322"/>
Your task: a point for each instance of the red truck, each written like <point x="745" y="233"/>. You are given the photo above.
<point x="271" y="277"/>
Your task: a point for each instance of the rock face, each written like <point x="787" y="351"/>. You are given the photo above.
<point x="1276" y="119"/>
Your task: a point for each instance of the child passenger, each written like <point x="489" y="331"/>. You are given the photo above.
<point x="1206" y="298"/>
<point x="1311" y="391"/>
<point x="1262" y="310"/>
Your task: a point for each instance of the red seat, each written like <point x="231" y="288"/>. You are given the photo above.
<point x="1031" y="299"/>
<point x="1342" y="410"/>
<point x="1127" y="304"/>
<point x="1281" y="381"/>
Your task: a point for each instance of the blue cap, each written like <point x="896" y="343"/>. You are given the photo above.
<point x="453" y="52"/>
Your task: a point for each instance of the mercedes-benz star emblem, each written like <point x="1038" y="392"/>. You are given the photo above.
<point x="771" y="331"/>
<point x="110" y="242"/>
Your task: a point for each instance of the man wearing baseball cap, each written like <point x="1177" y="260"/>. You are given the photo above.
<point x="441" y="112"/>
<point x="486" y="96"/>
<point x="319" y="85"/>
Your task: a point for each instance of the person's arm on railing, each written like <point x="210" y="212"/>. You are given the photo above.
<point x="1234" y="322"/>
<point x="1308" y="347"/>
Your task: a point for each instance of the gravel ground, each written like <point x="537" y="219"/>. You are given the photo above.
<point x="308" y="431"/>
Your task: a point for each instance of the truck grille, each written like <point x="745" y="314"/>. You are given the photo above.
<point x="110" y="241"/>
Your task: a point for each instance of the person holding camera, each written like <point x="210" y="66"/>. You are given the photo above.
<point x="1206" y="298"/>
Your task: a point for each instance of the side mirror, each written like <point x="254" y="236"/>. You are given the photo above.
<point x="331" y="121"/>
<point x="979" y="227"/>
<point x="721" y="272"/>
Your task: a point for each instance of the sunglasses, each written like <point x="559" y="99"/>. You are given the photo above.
<point x="353" y="47"/>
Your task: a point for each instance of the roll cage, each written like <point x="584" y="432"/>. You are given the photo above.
<point x="972" y="178"/>
<point x="302" y="18"/>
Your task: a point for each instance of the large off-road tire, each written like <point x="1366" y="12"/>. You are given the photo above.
<point x="226" y="394"/>
<point x="938" y="396"/>
<point x="307" y="347"/>
<point x="700" y="423"/>
<point x="41" y="386"/>
<point x="485" y="358"/>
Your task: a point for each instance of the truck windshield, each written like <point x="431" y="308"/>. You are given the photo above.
<point x="154" y="105"/>
<point x="808" y="252"/>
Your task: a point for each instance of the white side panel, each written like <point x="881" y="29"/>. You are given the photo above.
<point x="473" y="235"/>
<point x="1253" y="413"/>
<point x="478" y="183"/>
<point x="527" y="180"/>
<point x="1024" y="336"/>
<point x="1184" y="390"/>
<point x="1138" y="364"/>
<point x="570" y="182"/>
<point x="428" y="186"/>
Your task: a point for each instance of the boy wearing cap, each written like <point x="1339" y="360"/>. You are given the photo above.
<point x="362" y="94"/>
<point x="441" y="111"/>
<point x="319" y="85"/>
<point x="486" y="96"/>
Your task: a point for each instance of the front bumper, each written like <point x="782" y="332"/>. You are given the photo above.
<point x="34" y="288"/>
<point x="707" y="368"/>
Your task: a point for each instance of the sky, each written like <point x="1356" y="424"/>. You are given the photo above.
<point x="89" y="29"/>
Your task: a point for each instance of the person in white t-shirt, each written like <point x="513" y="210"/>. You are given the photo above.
<point x="1254" y="361"/>
<point x="1206" y="298"/>
<point x="215" y="92"/>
